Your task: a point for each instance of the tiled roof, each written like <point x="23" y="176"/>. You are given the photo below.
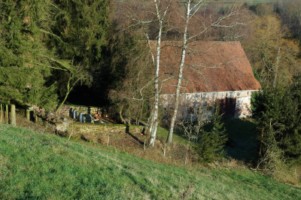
<point x="210" y="66"/>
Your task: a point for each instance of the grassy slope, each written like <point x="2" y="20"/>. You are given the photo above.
<point x="43" y="166"/>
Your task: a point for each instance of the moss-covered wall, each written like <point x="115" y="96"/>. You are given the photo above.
<point x="96" y="133"/>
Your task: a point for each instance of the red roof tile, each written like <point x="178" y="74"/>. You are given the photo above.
<point x="210" y="66"/>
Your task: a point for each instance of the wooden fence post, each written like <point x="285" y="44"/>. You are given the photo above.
<point x="27" y="114"/>
<point x="6" y="114"/>
<point x="35" y="117"/>
<point x="13" y="115"/>
<point x="1" y="114"/>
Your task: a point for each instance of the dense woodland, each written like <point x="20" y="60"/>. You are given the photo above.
<point x="96" y="52"/>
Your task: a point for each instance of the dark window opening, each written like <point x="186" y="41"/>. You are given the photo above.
<point x="227" y="107"/>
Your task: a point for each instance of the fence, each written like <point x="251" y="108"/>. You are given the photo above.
<point x="8" y="113"/>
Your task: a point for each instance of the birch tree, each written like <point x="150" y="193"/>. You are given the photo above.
<point x="167" y="25"/>
<point x="153" y="121"/>
<point x="149" y="17"/>
<point x="191" y="8"/>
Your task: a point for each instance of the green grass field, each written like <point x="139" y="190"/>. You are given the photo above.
<point x="43" y="166"/>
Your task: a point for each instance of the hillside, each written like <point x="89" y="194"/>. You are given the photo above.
<point x="40" y="166"/>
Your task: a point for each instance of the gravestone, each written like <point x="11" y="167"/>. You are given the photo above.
<point x="74" y="114"/>
<point x="88" y="118"/>
<point x="81" y="115"/>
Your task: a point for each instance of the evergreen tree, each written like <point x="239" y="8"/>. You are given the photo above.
<point x="278" y="113"/>
<point x="212" y="139"/>
<point x="24" y="67"/>
<point x="79" y="34"/>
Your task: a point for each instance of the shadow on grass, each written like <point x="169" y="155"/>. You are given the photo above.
<point x="127" y="131"/>
<point x="242" y="142"/>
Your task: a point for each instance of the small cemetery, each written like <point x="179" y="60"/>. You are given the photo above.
<point x="92" y="115"/>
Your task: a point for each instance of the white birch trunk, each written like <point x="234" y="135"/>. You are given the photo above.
<point x="180" y="75"/>
<point x="154" y="116"/>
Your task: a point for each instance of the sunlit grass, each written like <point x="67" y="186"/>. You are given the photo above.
<point x="42" y="166"/>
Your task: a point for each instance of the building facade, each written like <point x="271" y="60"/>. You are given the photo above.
<point x="215" y="73"/>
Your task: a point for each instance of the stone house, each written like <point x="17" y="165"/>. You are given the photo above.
<point x="215" y="73"/>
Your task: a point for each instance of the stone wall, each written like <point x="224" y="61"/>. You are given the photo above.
<point x="96" y="133"/>
<point x="206" y="100"/>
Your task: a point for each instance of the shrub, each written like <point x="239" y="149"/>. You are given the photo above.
<point x="209" y="134"/>
<point x="212" y="139"/>
<point x="278" y="115"/>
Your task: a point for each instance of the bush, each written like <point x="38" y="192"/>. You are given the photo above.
<point x="208" y="134"/>
<point x="278" y="115"/>
<point x="212" y="139"/>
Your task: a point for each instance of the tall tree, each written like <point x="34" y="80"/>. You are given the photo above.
<point x="154" y="118"/>
<point x="192" y="7"/>
<point x="272" y="53"/>
<point x="151" y="17"/>
<point x="24" y="68"/>
<point x="129" y="75"/>
<point x="277" y="111"/>
<point x="160" y="21"/>
<point x="79" y="35"/>
<point x="290" y="15"/>
<point x="190" y="11"/>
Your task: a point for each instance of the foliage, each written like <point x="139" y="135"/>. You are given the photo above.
<point x="242" y="141"/>
<point x="273" y="55"/>
<point x="49" y="47"/>
<point x="290" y="15"/>
<point x="278" y="112"/>
<point x="212" y="139"/>
<point x="78" y="35"/>
<point x="208" y="133"/>
<point x="81" y="27"/>
<point x="24" y="68"/>
<point x="130" y="75"/>
<point x="41" y="166"/>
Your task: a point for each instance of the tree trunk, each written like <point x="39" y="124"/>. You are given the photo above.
<point x="121" y="116"/>
<point x="64" y="100"/>
<point x="13" y="115"/>
<point x="153" y="125"/>
<point x="69" y="88"/>
<point x="154" y="120"/>
<point x="180" y="75"/>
